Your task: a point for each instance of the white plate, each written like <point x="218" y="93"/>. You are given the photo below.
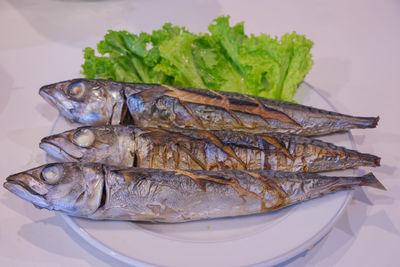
<point x="264" y="239"/>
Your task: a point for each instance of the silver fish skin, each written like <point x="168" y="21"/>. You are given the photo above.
<point x="94" y="102"/>
<point x="131" y="146"/>
<point x="100" y="192"/>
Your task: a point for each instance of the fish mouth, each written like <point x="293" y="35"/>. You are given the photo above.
<point x="18" y="184"/>
<point x="45" y="92"/>
<point x="58" y="100"/>
<point x="12" y="183"/>
<point x="57" y="151"/>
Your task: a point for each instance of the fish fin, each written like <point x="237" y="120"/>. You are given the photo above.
<point x="370" y="180"/>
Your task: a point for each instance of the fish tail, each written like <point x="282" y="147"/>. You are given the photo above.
<point x="370" y="180"/>
<point x="365" y="122"/>
<point x="377" y="161"/>
<point x="375" y="122"/>
<point x="372" y="160"/>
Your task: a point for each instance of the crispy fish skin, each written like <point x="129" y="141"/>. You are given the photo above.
<point x="100" y="192"/>
<point x="94" y="101"/>
<point x="131" y="146"/>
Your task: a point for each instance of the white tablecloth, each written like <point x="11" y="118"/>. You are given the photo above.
<point x="356" y="67"/>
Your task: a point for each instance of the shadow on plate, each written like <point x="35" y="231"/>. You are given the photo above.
<point x="49" y="232"/>
<point x="47" y="111"/>
<point x="7" y="86"/>
<point x="42" y="234"/>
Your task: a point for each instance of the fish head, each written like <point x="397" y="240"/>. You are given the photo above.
<point x="87" y="101"/>
<point x="103" y="144"/>
<point x="75" y="189"/>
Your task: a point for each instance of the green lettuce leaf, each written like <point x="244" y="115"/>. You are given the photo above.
<point x="276" y="67"/>
<point x="223" y="59"/>
<point x="177" y="61"/>
<point x="215" y="67"/>
<point x="229" y="38"/>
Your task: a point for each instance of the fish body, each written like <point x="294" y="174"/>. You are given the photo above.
<point x="152" y="105"/>
<point x="97" y="191"/>
<point x="132" y="146"/>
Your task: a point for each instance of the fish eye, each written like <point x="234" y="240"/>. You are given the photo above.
<point x="52" y="174"/>
<point x="77" y="89"/>
<point x="84" y="137"/>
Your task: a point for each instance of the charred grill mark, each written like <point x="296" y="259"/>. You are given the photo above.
<point x="155" y="151"/>
<point x="275" y="114"/>
<point x="282" y="196"/>
<point x="161" y="136"/>
<point x="176" y="156"/>
<point x="224" y="103"/>
<point x="104" y="114"/>
<point x="152" y="94"/>
<point x="279" y="147"/>
<point x="164" y="156"/>
<point x="205" y="93"/>
<point x="268" y="182"/>
<point x="227" y="149"/>
<point x="263" y="203"/>
<point x="305" y="164"/>
<point x="227" y="102"/>
<point x="193" y="157"/>
<point x="106" y="92"/>
<point x="198" y="179"/>
<point x="189" y="111"/>
<point x="223" y="178"/>
<point x="129" y="175"/>
<point x="243" y="192"/>
<point x="219" y="180"/>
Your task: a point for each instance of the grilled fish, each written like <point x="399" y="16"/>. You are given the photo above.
<point x="97" y="191"/>
<point x="152" y="105"/>
<point x="131" y="146"/>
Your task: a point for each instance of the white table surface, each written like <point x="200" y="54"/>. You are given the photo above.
<point x="357" y="63"/>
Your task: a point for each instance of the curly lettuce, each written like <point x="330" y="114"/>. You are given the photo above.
<point x="225" y="59"/>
